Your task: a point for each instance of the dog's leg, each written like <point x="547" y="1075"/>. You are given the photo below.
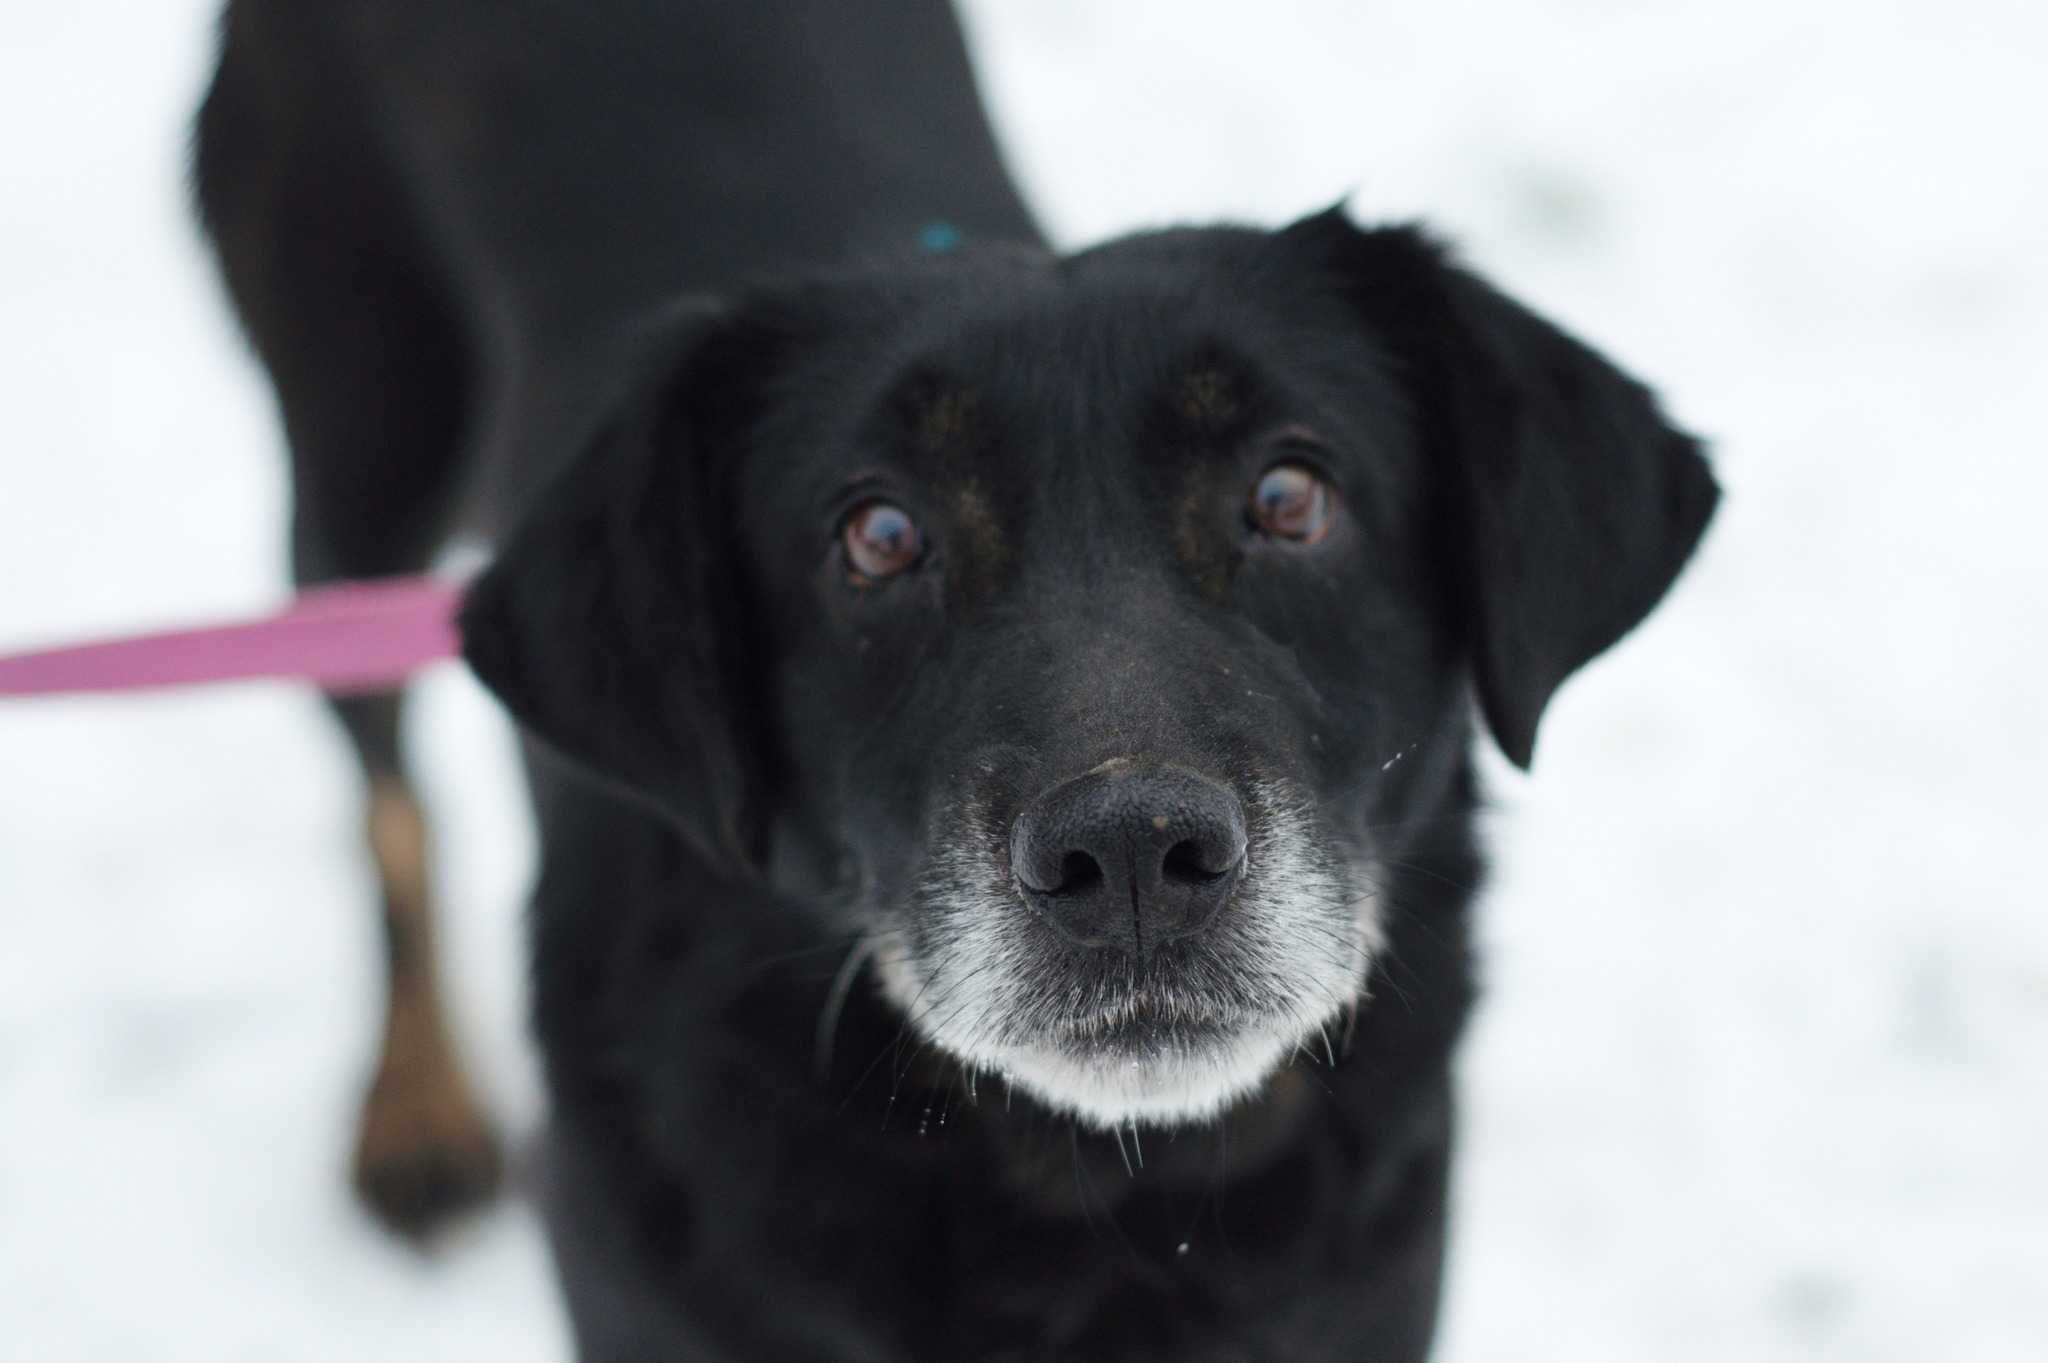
<point x="425" y="1149"/>
<point x="369" y="355"/>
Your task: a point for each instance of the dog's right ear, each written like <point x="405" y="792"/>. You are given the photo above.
<point x="607" y="624"/>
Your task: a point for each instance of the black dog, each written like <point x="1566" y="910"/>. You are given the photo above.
<point x="1003" y="720"/>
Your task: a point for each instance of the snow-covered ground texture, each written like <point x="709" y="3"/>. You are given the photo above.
<point x="1762" y="1073"/>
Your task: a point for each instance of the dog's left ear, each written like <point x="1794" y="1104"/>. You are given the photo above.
<point x="1578" y="502"/>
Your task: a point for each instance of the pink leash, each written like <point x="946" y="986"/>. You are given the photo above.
<point x="349" y="637"/>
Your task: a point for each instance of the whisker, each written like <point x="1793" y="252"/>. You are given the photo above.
<point x="835" y="1005"/>
<point x="1118" y="1132"/>
<point x="766" y="963"/>
<point x="1417" y="868"/>
<point x="1080" y="1188"/>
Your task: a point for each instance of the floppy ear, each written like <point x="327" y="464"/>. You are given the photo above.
<point x="607" y="624"/>
<point x="1576" y="502"/>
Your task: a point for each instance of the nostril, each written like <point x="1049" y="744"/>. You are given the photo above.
<point x="1079" y="873"/>
<point x="1188" y="862"/>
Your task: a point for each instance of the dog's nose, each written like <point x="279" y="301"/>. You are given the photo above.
<point x="1130" y="856"/>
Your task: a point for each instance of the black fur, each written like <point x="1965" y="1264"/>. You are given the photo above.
<point x="765" y="783"/>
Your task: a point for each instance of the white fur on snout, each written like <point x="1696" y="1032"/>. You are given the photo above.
<point x="1289" y="955"/>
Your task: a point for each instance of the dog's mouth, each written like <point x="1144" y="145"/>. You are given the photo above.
<point x="1147" y="1027"/>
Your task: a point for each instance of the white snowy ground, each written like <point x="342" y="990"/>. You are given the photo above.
<point x="1763" y="1070"/>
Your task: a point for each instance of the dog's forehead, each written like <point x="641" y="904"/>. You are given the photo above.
<point x="1148" y="381"/>
<point x="1081" y="374"/>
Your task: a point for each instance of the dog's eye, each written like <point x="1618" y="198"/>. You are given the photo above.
<point x="880" y="541"/>
<point x="1292" y="502"/>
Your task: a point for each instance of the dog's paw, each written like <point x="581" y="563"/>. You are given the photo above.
<point x="426" y="1152"/>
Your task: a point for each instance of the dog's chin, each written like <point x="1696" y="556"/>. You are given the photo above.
<point x="1112" y="1082"/>
<point x="1132" y="1067"/>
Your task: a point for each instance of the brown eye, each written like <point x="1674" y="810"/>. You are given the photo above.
<point x="880" y="540"/>
<point x="1292" y="502"/>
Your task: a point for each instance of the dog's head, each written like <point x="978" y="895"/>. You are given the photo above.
<point x="1088" y="634"/>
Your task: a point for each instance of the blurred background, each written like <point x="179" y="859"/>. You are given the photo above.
<point x="1762" y="1068"/>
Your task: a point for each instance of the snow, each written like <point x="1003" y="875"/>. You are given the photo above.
<point x="1760" y="1071"/>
